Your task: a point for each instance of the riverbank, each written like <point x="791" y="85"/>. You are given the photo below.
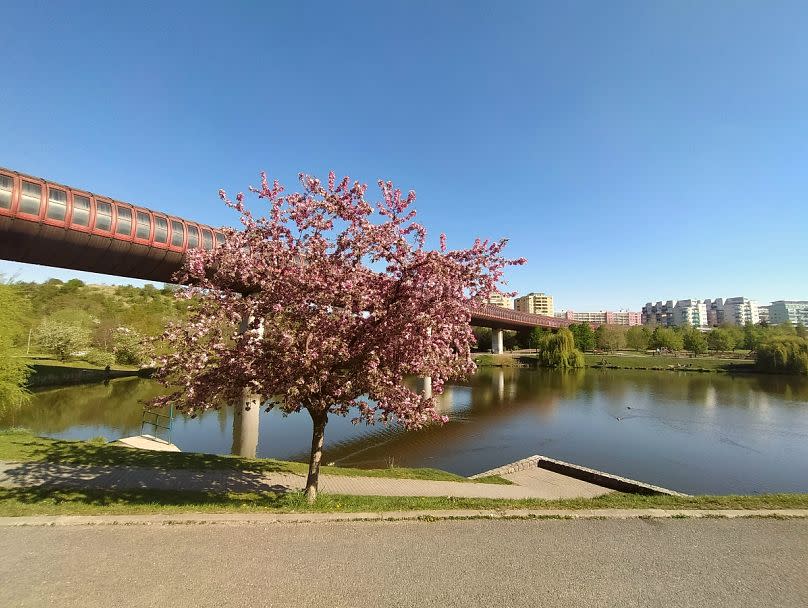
<point x="52" y="373"/>
<point x="669" y="363"/>
<point x="20" y="446"/>
<point x="628" y="360"/>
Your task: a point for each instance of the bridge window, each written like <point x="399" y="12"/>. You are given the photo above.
<point x="193" y="237"/>
<point x="207" y="240"/>
<point x="31" y="198"/>
<point x="160" y="230"/>
<point x="103" y="216"/>
<point x="57" y="204"/>
<point x="124" y="224"/>
<point x="81" y="211"/>
<point x="177" y="234"/>
<point x="6" y="187"/>
<point x="143" y="230"/>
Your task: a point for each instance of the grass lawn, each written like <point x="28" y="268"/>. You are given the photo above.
<point x="496" y="361"/>
<point x="20" y="445"/>
<point x="639" y="361"/>
<point x="37" y="501"/>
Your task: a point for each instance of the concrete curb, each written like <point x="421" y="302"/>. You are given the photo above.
<point x="389" y="516"/>
<point x="593" y="476"/>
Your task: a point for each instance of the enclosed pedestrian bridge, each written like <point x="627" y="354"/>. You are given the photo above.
<point x="43" y="222"/>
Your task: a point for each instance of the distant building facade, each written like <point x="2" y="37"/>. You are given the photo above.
<point x="497" y="299"/>
<point x="690" y="312"/>
<point x="603" y="317"/>
<point x="715" y="311"/>
<point x="658" y="314"/>
<point x="740" y="311"/>
<point x="763" y="312"/>
<point x="535" y="303"/>
<point x="675" y="313"/>
<point x="791" y="311"/>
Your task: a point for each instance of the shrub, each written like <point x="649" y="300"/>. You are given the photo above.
<point x="129" y="349"/>
<point x="61" y="339"/>
<point x="784" y="355"/>
<point x="100" y="358"/>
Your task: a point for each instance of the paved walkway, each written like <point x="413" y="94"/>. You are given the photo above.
<point x="538" y="484"/>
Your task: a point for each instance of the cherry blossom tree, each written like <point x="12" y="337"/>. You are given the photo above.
<point x="326" y="304"/>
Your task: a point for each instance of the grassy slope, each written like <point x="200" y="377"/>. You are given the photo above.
<point x="23" y="446"/>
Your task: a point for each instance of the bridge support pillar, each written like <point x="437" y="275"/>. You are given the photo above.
<point x="496" y="341"/>
<point x="428" y="386"/>
<point x="245" y="413"/>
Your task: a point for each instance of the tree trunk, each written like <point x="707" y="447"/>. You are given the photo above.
<point x="319" y="420"/>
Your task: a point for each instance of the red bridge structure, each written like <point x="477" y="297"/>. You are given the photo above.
<point x="43" y="222"/>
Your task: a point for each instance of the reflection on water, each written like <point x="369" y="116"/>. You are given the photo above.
<point x="693" y="432"/>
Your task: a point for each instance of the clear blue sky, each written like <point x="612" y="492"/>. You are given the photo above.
<point x="630" y="150"/>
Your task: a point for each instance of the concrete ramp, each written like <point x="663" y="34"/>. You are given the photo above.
<point x="147" y="442"/>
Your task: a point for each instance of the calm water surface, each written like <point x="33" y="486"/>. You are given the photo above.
<point x="698" y="433"/>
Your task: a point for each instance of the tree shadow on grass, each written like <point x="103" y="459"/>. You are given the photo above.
<point x="45" y="500"/>
<point x="96" y="454"/>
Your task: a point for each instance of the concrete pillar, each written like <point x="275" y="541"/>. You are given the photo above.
<point x="246" y="413"/>
<point x="245" y="425"/>
<point x="427" y="386"/>
<point x="496" y="341"/>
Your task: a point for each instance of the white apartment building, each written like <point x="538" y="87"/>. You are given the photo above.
<point x="690" y="312"/>
<point x="791" y="311"/>
<point x="740" y="311"/>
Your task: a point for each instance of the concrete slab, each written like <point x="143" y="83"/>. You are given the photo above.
<point x="554" y="485"/>
<point x="148" y="442"/>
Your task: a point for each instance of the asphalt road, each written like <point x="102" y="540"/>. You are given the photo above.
<point x="682" y="562"/>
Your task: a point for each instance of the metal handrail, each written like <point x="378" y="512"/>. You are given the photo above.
<point x="156" y="422"/>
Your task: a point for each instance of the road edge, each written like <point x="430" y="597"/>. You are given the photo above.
<point x="390" y="516"/>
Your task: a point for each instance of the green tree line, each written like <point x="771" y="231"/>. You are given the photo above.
<point x="776" y="348"/>
<point x="100" y="324"/>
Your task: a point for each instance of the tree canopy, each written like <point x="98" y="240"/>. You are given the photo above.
<point x="351" y="302"/>
<point x="13" y="370"/>
<point x="557" y="349"/>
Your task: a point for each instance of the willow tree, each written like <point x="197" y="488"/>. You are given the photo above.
<point x="558" y="350"/>
<point x="338" y="300"/>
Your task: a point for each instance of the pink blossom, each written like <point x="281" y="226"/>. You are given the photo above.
<point x="349" y="298"/>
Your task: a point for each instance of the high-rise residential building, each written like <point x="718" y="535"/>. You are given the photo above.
<point x="791" y="311"/>
<point x="497" y="299"/>
<point x="740" y="311"/>
<point x="690" y="312"/>
<point x="658" y="314"/>
<point x="535" y="303"/>
<point x="763" y="312"/>
<point x="603" y="317"/>
<point x="715" y="312"/>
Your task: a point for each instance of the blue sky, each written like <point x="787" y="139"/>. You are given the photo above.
<point x="630" y="150"/>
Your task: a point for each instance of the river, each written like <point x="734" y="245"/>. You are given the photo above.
<point x="696" y="433"/>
